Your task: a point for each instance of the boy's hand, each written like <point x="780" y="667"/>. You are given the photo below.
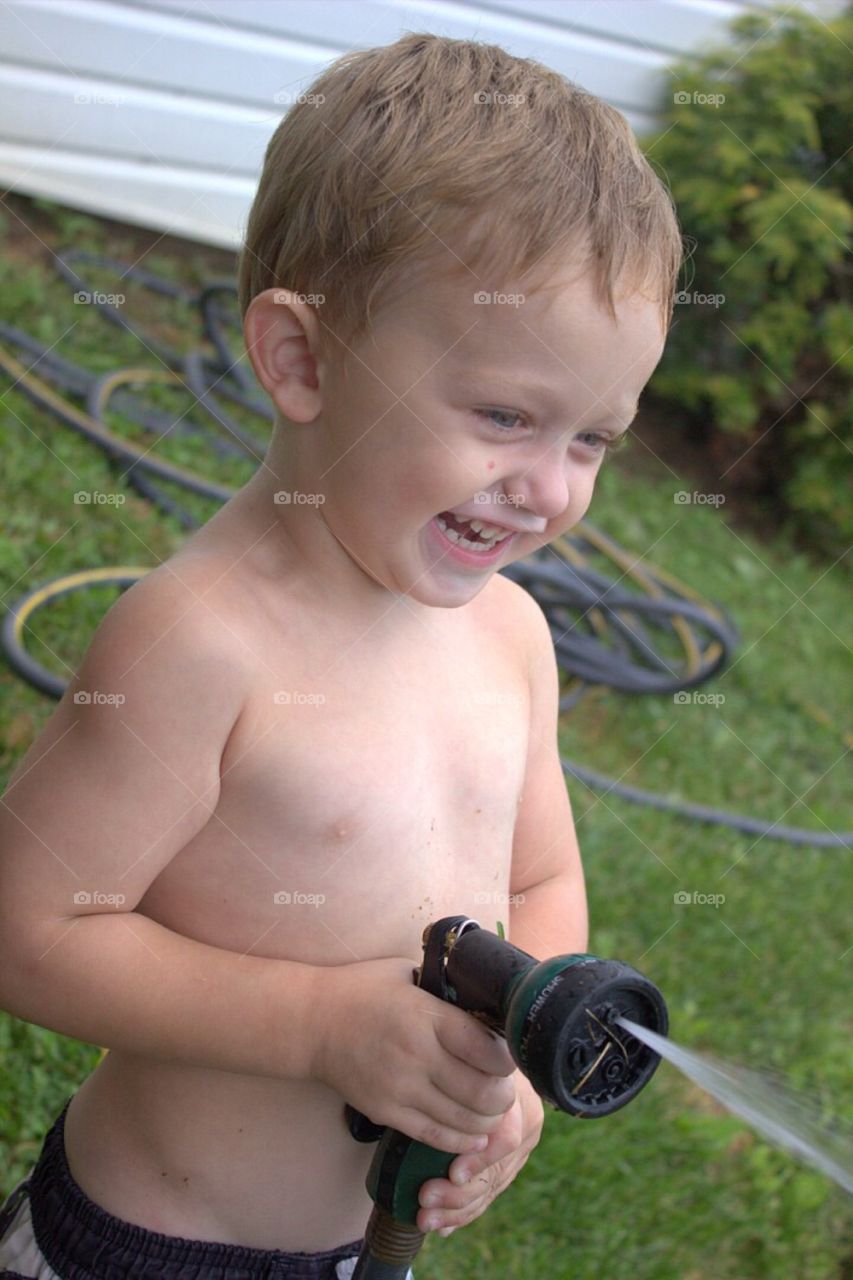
<point x="407" y="1059"/>
<point x="490" y="1171"/>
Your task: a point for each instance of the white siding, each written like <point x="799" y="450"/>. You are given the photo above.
<point x="157" y="112"/>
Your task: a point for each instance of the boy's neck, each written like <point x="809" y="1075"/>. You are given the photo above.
<point x="290" y="543"/>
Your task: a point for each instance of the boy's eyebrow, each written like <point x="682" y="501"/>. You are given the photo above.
<point x="499" y="381"/>
<point x="632" y="413"/>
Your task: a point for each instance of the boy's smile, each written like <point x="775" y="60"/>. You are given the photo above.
<point x="452" y="411"/>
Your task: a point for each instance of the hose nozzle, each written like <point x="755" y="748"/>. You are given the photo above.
<point x="558" y="1015"/>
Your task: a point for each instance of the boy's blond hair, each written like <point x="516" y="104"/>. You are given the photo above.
<point x="457" y="157"/>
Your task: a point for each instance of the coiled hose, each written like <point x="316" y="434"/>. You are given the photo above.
<point x="604" y="631"/>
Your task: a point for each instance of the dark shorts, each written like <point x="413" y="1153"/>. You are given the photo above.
<point x="48" y="1227"/>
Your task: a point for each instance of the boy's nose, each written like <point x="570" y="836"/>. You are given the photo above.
<point x="541" y="490"/>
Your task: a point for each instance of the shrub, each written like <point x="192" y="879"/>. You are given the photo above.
<point x="753" y="146"/>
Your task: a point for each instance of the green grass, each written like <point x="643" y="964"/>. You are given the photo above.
<point x="671" y="1187"/>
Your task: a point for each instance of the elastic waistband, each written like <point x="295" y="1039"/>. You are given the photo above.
<point x="81" y="1241"/>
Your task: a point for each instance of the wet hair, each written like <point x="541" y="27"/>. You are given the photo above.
<point x="452" y="157"/>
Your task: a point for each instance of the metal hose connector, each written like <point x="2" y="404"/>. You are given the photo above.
<point x="389" y="1248"/>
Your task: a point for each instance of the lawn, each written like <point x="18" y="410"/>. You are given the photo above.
<point x="671" y="1187"/>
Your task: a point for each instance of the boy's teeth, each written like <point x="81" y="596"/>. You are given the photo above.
<point x="490" y="532"/>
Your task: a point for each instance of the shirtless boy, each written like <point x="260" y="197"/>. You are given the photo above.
<point x="329" y="697"/>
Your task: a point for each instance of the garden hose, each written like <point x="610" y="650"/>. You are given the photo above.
<point x="44" y="396"/>
<point x="157" y="284"/>
<point x="17" y="619"/>
<point x="605" y="631"/>
<point x="703" y="813"/>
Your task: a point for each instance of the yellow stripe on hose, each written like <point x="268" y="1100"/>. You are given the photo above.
<point x="631" y="569"/>
<point x="67" y="583"/>
<point x="74" y="417"/>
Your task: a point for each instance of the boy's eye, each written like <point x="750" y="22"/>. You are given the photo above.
<point x="491" y="414"/>
<point x="596" y="441"/>
<point x="602" y="443"/>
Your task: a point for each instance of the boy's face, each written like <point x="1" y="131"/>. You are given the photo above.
<point x="484" y="411"/>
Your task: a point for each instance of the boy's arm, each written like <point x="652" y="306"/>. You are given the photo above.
<point x="104" y="799"/>
<point x="549" y="917"/>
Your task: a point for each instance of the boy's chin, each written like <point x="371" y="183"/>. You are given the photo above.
<point x="450" y="594"/>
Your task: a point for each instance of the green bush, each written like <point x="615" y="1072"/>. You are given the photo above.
<point x="753" y="147"/>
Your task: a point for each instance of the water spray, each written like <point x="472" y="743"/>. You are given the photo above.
<point x="790" y="1120"/>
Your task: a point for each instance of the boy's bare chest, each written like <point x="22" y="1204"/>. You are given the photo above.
<point x="364" y="793"/>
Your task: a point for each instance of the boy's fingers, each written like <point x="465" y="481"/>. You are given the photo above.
<point x="439" y="1193"/>
<point x="472" y="1091"/>
<point x="462" y="1172"/>
<point x="442" y="1111"/>
<point x="466" y="1038"/>
<point x="454" y="1209"/>
<point x="458" y="1212"/>
<point x="424" y="1128"/>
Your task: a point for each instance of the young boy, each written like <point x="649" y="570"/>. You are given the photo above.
<point x="338" y="719"/>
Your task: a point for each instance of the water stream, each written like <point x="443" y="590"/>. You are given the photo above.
<point x="774" y="1111"/>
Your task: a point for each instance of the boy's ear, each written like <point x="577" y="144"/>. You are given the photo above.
<point x="282" y="338"/>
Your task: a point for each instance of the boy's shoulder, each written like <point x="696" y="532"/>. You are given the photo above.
<point x="515" y="609"/>
<point x="183" y="614"/>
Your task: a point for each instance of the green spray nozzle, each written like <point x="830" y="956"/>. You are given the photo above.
<point x="559" y="1020"/>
